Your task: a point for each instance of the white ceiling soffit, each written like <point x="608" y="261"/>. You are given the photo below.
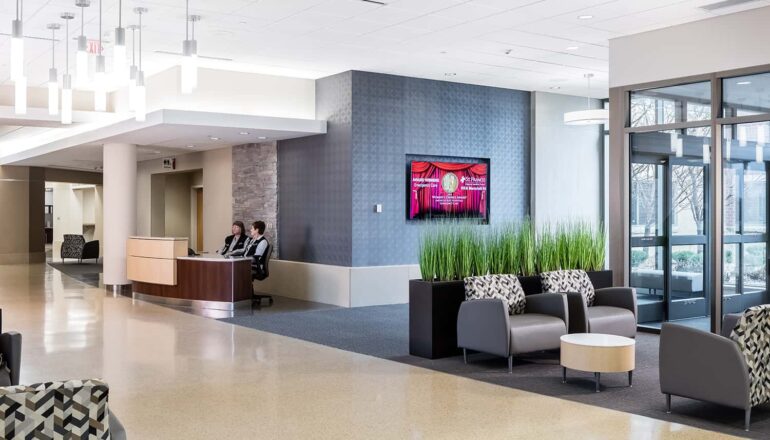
<point x="176" y="129"/>
<point x="523" y="44"/>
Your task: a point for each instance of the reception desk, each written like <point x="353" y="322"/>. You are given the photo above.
<point x="160" y="271"/>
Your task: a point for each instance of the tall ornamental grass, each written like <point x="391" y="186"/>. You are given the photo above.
<point x="455" y="250"/>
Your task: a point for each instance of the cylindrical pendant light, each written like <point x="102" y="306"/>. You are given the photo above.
<point x="17" y="43"/>
<point x="100" y="80"/>
<point x="189" y="71"/>
<point x="140" y="94"/>
<point x="20" y="95"/>
<point x="53" y="76"/>
<point x="132" y="71"/>
<point x="81" y="59"/>
<point x="66" y="92"/>
<point x="119" y="49"/>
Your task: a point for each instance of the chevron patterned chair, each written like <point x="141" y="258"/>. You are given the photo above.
<point x="731" y="369"/>
<point x="71" y="409"/>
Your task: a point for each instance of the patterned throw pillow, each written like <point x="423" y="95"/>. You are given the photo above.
<point x="564" y="281"/>
<point x="752" y="334"/>
<point x="505" y="287"/>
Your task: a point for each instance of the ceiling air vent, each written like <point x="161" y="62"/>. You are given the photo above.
<point x="725" y="4"/>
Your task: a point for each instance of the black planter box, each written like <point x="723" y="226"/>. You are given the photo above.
<point x="433" y="308"/>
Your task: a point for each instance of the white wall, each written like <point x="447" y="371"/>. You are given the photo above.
<point x="566" y="161"/>
<point x="721" y="43"/>
<point x="216" y="166"/>
<point x="230" y="92"/>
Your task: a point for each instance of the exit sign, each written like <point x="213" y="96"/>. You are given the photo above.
<point x="93" y="46"/>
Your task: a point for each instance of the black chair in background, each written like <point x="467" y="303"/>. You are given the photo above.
<point x="75" y="246"/>
<point x="259" y="272"/>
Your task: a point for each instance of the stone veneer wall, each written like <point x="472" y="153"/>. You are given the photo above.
<point x="255" y="187"/>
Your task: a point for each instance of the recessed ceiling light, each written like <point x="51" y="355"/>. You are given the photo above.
<point x="244" y="133"/>
<point x="191" y="146"/>
<point x="450" y="74"/>
<point x="554" y="87"/>
<point x="585" y="17"/>
<point x="743" y="83"/>
<point x="572" y="48"/>
<point x="213" y="138"/>
<point x="262" y="138"/>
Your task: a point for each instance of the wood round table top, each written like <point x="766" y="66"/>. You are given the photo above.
<point x="597" y="340"/>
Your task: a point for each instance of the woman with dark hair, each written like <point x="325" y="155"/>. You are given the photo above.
<point x="256" y="244"/>
<point x="235" y="241"/>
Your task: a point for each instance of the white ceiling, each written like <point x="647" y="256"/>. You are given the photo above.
<point x="524" y="44"/>
<point x="166" y="132"/>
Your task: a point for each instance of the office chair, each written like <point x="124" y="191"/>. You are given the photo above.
<point x="256" y="275"/>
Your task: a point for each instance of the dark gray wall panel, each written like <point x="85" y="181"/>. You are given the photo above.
<point x="396" y="116"/>
<point x="314" y="183"/>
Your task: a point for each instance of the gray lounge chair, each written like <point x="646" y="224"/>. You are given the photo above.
<point x="485" y="325"/>
<point x="610" y="310"/>
<point x="730" y="369"/>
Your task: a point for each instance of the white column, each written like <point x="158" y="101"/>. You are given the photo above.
<point x="119" y="181"/>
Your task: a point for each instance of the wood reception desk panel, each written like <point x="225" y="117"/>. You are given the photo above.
<point x="153" y="259"/>
<point x="205" y="279"/>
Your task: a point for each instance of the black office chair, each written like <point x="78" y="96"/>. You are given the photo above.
<point x="259" y="275"/>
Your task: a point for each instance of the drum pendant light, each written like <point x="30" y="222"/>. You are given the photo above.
<point x="588" y="116"/>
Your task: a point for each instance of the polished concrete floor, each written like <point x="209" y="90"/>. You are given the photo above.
<point x="175" y="375"/>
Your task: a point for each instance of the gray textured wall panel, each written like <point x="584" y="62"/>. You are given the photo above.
<point x="314" y="183"/>
<point x="395" y="116"/>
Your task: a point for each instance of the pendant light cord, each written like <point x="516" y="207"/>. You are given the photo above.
<point x="100" y="27"/>
<point x="82" y="19"/>
<point x="67" y="46"/>
<point x="140" y="42"/>
<point x="53" y="48"/>
<point x="120" y="13"/>
<point x="187" y="20"/>
<point x="133" y="46"/>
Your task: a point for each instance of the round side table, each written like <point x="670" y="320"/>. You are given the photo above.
<point x="598" y="353"/>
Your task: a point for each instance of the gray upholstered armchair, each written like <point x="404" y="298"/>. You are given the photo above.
<point x="75" y="246"/>
<point x="611" y="310"/>
<point x="505" y="323"/>
<point x="731" y="369"/>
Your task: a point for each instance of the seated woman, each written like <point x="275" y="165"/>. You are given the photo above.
<point x="236" y="241"/>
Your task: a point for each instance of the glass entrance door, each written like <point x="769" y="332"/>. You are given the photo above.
<point x="669" y="224"/>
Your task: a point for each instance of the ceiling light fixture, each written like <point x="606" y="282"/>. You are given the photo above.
<point x="132" y="71"/>
<point x="100" y="80"/>
<point x="66" y="92"/>
<point x="81" y="59"/>
<point x="189" y="71"/>
<point x="262" y="138"/>
<point x="588" y="116"/>
<point x="585" y="17"/>
<point x="17" y="43"/>
<point x="572" y="48"/>
<point x="140" y="92"/>
<point x="119" y="48"/>
<point x="53" y="76"/>
<point x="17" y="62"/>
<point x="743" y="83"/>
<point x="213" y="138"/>
<point x="191" y="146"/>
<point x="244" y="133"/>
<point x="554" y="87"/>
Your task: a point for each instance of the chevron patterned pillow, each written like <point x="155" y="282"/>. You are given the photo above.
<point x="752" y="334"/>
<point x="565" y="281"/>
<point x="499" y="286"/>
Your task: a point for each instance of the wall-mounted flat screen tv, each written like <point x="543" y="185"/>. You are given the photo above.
<point x="441" y="190"/>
